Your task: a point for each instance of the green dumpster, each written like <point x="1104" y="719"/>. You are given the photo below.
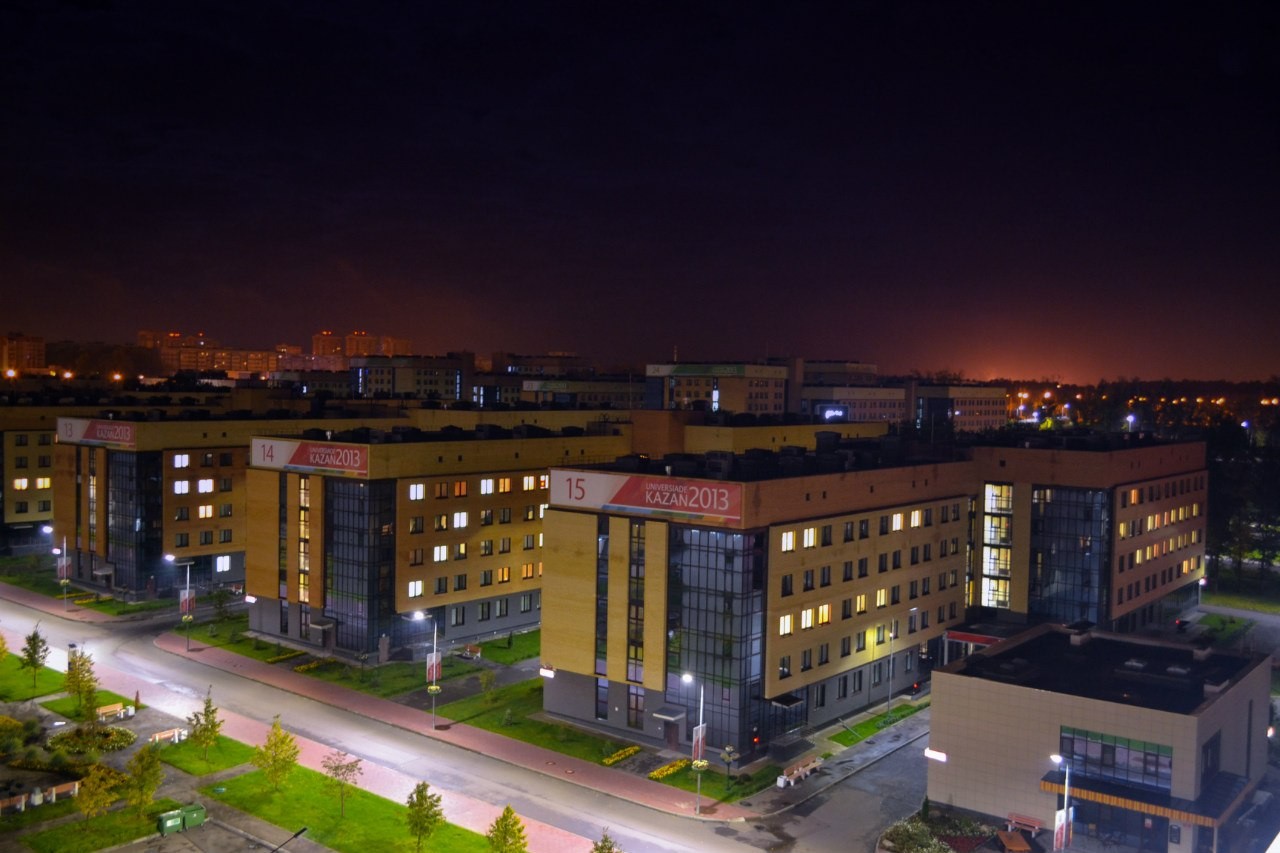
<point x="193" y="815"/>
<point x="169" y="822"/>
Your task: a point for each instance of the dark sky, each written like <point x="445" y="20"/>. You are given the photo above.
<point x="1070" y="190"/>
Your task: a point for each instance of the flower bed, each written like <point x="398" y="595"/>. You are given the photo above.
<point x="83" y="739"/>
<point x="285" y="656"/>
<point x="314" y="664"/>
<point x="668" y="769"/>
<point x="621" y="755"/>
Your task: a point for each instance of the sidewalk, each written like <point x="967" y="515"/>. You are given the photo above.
<point x="462" y="810"/>
<point x="56" y="607"/>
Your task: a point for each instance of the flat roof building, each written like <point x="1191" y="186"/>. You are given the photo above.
<point x="1164" y="741"/>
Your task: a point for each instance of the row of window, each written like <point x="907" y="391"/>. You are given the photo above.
<point x="21" y="439"/>
<point x="461" y="520"/>
<point x="813" y="537"/>
<point x="41" y="462"/>
<point x="183" y="513"/>
<point x="459" y="550"/>
<point x="205" y="537"/>
<point x="821" y="614"/>
<point x="1155" y="551"/>
<point x="183" y="460"/>
<point x="502" y="574"/>
<point x="1127" y="592"/>
<point x="823" y="657"/>
<point x="821" y="577"/>
<point x="21" y="484"/>
<point x="204" y="486"/>
<point x="1155" y="491"/>
<point x="486" y="610"/>
<point x="22" y="507"/>
<point x="1157" y="520"/>
<point x="488" y="486"/>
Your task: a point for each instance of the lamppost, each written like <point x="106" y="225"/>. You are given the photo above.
<point x="1066" y="802"/>
<point x="187" y="604"/>
<point x="729" y="755"/>
<point x="696" y="761"/>
<point x="434" y="665"/>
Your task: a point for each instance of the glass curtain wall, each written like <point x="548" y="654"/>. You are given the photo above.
<point x="1069" y="554"/>
<point x="359" y="553"/>
<point x="134" y="523"/>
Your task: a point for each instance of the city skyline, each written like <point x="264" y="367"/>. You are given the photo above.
<point x="994" y="190"/>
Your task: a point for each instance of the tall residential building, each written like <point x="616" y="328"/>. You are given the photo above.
<point x="731" y="387"/>
<point x="806" y="585"/>
<point x="19" y="352"/>
<point x="369" y="542"/>
<point x="446" y="378"/>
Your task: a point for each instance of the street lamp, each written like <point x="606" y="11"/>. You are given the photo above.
<point x="187" y="605"/>
<point x="1065" y="841"/>
<point x="698" y="763"/>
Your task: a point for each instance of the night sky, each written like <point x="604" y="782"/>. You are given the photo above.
<point x="1026" y="189"/>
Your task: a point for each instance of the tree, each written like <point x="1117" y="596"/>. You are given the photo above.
<point x="34" y="653"/>
<point x="146" y="773"/>
<point x="82" y="681"/>
<point x="277" y="756"/>
<point x="205" y="725"/>
<point x="342" y="770"/>
<point x="488" y="681"/>
<point x="506" y="835"/>
<point x="221" y="604"/>
<point x="425" y="814"/>
<point x="4" y="648"/>
<point x="606" y="845"/>
<point x="98" y="790"/>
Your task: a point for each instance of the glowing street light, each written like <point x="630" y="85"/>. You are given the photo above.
<point x="1063" y="842"/>
<point x="187" y="603"/>
<point x="697" y="762"/>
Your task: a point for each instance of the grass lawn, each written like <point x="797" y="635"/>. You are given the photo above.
<point x="372" y="823"/>
<point x="523" y="646"/>
<point x="115" y="607"/>
<point x="37" y="814"/>
<point x="716" y="787"/>
<point x="66" y="706"/>
<point x="1242" y="601"/>
<point x="220" y="634"/>
<point x="15" y="682"/>
<point x="390" y="679"/>
<point x="189" y="757"/>
<point x="524" y="700"/>
<point x="1224" y="629"/>
<point x="867" y="728"/>
<point x="101" y="832"/>
<point x="43" y="581"/>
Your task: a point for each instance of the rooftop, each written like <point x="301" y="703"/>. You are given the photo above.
<point x="1093" y="664"/>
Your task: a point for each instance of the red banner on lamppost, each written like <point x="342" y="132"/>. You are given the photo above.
<point x="699" y="740"/>
<point x="186" y="601"/>
<point x="434" y="667"/>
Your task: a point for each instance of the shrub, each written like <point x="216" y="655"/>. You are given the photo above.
<point x="80" y="740"/>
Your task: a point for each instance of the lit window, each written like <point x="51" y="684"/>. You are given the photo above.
<point x="530" y="483"/>
<point x="897" y="521"/>
<point x="784" y="625"/>
<point x="180" y="487"/>
<point x="204" y="486"/>
<point x="43" y="482"/>
<point x="206" y="510"/>
<point x="543" y="481"/>
<point x="459" y="488"/>
<point x="486" y="486"/>
<point x="526" y="571"/>
<point x="806" y="618"/>
<point x="882" y="597"/>
<point x="915" y="518"/>
<point x="222" y="564"/>
<point x="788" y="541"/>
<point x="181" y="460"/>
<point x="810" y="537"/>
<point x="504" y="485"/>
<point x="459" y="520"/>
<point x="440" y="553"/>
<point x="504" y="574"/>
<point x="862" y="603"/>
<point x="824" y="614"/>
<point x="415" y="589"/>
<point x="417" y="491"/>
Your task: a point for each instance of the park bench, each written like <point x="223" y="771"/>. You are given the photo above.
<point x="798" y="772"/>
<point x="171" y="735"/>
<point x="115" y="710"/>
<point x="1021" y="821"/>
<point x="471" y="651"/>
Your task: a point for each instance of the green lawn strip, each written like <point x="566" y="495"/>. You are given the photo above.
<point x="37" y="814"/>
<point x="1224" y="630"/>
<point x="189" y="758"/>
<point x="1241" y="601"/>
<point x="43" y="581"/>
<point x="67" y="705"/>
<point x="390" y="679"/>
<point x="875" y="725"/>
<point x="116" y="607"/>
<point x="523" y="700"/>
<point x="15" y="682"/>
<point x="371" y="823"/>
<point x="98" y="833"/>
<point x="716" y="786"/>
<point x="523" y="646"/>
